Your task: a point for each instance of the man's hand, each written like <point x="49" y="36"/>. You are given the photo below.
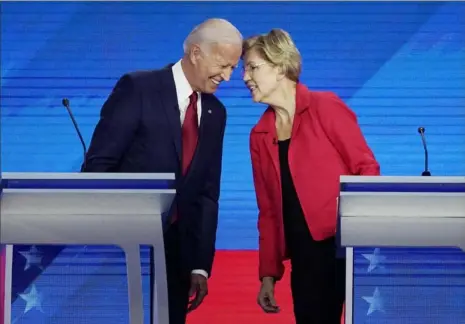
<point x="197" y="292"/>
<point x="266" y="296"/>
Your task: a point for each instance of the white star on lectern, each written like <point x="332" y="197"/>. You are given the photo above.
<point x="375" y="301"/>
<point x="33" y="299"/>
<point x="33" y="258"/>
<point x="375" y="260"/>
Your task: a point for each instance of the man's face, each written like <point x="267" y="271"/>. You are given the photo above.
<point x="214" y="65"/>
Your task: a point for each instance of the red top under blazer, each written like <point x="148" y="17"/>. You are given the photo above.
<point x="326" y="143"/>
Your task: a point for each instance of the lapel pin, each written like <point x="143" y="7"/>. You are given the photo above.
<point x="209" y="111"/>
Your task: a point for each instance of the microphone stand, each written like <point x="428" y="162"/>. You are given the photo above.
<point x="65" y="103"/>
<point x="426" y="172"/>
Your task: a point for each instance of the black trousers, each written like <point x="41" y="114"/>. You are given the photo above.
<point x="178" y="280"/>
<point x="317" y="281"/>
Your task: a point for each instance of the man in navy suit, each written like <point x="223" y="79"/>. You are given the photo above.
<point x="168" y="120"/>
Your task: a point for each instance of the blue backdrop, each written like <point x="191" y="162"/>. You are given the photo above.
<point x="398" y="65"/>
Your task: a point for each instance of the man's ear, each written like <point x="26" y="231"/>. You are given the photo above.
<point x="194" y="53"/>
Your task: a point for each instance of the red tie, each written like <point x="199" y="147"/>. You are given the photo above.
<point x="190" y="132"/>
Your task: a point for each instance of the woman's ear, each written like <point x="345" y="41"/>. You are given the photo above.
<point x="280" y="73"/>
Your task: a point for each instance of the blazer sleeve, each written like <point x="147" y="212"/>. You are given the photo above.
<point x="210" y="208"/>
<point x="270" y="263"/>
<point x="340" y="124"/>
<point x="119" y="120"/>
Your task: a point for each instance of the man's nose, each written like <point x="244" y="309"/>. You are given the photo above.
<point x="226" y="75"/>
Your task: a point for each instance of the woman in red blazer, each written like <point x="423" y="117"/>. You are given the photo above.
<point x="300" y="147"/>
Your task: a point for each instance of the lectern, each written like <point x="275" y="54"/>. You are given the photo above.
<point x="125" y="210"/>
<point x="399" y="212"/>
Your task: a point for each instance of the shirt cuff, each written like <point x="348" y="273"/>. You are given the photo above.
<point x="200" y="272"/>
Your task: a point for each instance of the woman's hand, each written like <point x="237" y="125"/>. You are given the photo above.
<point x="266" y="296"/>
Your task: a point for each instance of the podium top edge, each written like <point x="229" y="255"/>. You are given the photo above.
<point x="86" y="176"/>
<point x="402" y="179"/>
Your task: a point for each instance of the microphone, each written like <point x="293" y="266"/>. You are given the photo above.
<point x="426" y="172"/>
<point x="65" y="103"/>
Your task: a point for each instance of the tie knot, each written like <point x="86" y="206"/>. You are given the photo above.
<point x="193" y="97"/>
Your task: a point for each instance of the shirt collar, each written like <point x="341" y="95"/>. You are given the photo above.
<point x="183" y="88"/>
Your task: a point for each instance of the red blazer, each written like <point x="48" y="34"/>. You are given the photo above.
<point x="326" y="143"/>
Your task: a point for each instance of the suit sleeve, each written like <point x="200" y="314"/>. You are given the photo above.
<point x="119" y="119"/>
<point x="270" y="264"/>
<point x="341" y="126"/>
<point x="210" y="208"/>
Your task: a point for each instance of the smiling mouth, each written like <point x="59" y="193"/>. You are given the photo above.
<point x="216" y="81"/>
<point x="252" y="88"/>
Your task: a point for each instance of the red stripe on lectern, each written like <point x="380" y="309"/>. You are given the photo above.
<point x="233" y="292"/>
<point x="2" y="282"/>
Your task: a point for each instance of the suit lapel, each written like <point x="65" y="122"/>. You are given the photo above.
<point x="206" y="117"/>
<point x="171" y="107"/>
<point x="296" y="124"/>
<point x="303" y="100"/>
<point x="270" y="139"/>
<point x="271" y="143"/>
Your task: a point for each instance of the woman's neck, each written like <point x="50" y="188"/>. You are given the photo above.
<point x="284" y="105"/>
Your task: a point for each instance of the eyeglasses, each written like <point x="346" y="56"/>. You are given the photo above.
<point x="251" y="68"/>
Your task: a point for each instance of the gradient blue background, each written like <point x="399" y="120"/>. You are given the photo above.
<point x="398" y="65"/>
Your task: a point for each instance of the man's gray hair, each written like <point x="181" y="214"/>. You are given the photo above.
<point x="213" y="31"/>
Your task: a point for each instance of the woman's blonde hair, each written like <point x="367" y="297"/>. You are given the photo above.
<point x="278" y="49"/>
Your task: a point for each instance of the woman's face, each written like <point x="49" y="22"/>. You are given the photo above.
<point x="260" y="77"/>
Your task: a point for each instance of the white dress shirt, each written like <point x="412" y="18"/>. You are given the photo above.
<point x="183" y="91"/>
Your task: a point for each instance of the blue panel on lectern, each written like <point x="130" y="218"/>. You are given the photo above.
<point x="414" y="286"/>
<point x="77" y="284"/>
<point x="87" y="184"/>
<point x="403" y="187"/>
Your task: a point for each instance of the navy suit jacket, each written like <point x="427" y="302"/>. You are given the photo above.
<point x="140" y="131"/>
